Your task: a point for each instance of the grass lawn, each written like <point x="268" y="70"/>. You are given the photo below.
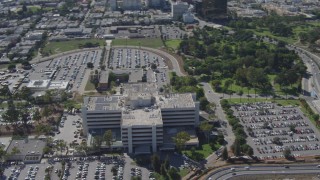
<point x="305" y="112"/>
<point x="292" y="90"/>
<point x="89" y="86"/>
<point x="33" y="8"/>
<point x="199" y="154"/>
<point x="283" y="102"/>
<point x="63" y="46"/>
<point x="152" y="43"/>
<point x="266" y="32"/>
<point x="173" y="43"/>
<point x="183" y="172"/>
<point x="236" y="88"/>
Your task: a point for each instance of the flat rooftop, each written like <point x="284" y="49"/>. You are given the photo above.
<point x="141" y="117"/>
<point x="176" y="101"/>
<point x="103" y="103"/>
<point x="139" y="88"/>
<point x="29" y="147"/>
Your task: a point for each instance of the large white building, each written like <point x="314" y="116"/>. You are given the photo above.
<point x="178" y="9"/>
<point x="141" y="117"/>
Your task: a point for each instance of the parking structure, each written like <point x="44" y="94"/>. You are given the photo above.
<point x="130" y="58"/>
<point x="71" y="67"/>
<point x="265" y="121"/>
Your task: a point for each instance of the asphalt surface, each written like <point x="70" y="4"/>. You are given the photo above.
<point x="173" y="60"/>
<point x="229" y="172"/>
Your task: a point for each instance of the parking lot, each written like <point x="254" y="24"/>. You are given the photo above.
<point x="70" y="68"/>
<point x="269" y="129"/>
<point x="172" y="32"/>
<point x="94" y="167"/>
<point x="69" y="129"/>
<point x="12" y="80"/>
<point x="129" y="58"/>
<point x="160" y="76"/>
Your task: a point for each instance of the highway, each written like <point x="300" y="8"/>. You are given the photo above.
<point x="233" y="171"/>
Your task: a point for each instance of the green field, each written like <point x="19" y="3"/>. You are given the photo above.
<point x="89" y="86"/>
<point x="64" y="46"/>
<point x="174" y="43"/>
<point x="283" y="102"/>
<point x="183" y="172"/>
<point x="236" y="88"/>
<point x="266" y="32"/>
<point x="152" y="43"/>
<point x="292" y="39"/>
<point x="202" y="153"/>
<point x="33" y="8"/>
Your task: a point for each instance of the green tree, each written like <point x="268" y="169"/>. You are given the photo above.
<point x="46" y="112"/>
<point x="90" y="65"/>
<point x="107" y="137"/>
<point x="11" y="67"/>
<point x="206" y="128"/>
<point x="163" y="170"/>
<point x="287" y="153"/>
<point x="61" y="145"/>
<point x="156" y="163"/>
<point x="167" y="163"/>
<point x="180" y="139"/>
<point x="37" y="116"/>
<point x="236" y="148"/>
<point x="174" y="174"/>
<point x="225" y="155"/>
<point x="97" y="142"/>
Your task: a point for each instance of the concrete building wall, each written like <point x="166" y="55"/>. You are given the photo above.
<point x="133" y="136"/>
<point x="178" y="9"/>
<point x="100" y="120"/>
<point x="180" y="116"/>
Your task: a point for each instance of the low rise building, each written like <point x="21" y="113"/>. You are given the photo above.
<point x="28" y="150"/>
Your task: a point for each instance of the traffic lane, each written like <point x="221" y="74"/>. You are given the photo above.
<point x="215" y="98"/>
<point x="239" y="169"/>
<point x="265" y="167"/>
<point x="230" y="174"/>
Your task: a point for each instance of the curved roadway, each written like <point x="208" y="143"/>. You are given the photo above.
<point x="233" y="171"/>
<point x="174" y="61"/>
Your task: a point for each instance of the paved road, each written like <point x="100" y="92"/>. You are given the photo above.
<point x="210" y="24"/>
<point x="226" y="173"/>
<point x="215" y="98"/>
<point x="174" y="61"/>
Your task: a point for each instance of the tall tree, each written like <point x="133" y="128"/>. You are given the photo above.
<point x="97" y="142"/>
<point x="156" y="163"/>
<point x="206" y="128"/>
<point x="180" y="139"/>
<point x="107" y="137"/>
<point x="37" y="116"/>
<point x="225" y="154"/>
